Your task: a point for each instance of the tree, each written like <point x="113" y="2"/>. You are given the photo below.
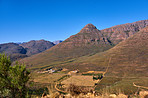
<point x="13" y="78"/>
<point x="5" y="64"/>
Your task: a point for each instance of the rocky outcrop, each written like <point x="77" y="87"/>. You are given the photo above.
<point x="121" y="32"/>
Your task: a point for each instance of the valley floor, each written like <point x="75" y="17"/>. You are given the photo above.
<point x="110" y="85"/>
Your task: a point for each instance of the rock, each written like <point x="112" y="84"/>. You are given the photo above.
<point x="122" y="96"/>
<point x="143" y="94"/>
<point x="121" y="32"/>
<point x="112" y="96"/>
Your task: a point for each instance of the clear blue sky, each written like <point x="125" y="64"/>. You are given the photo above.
<point x="25" y="20"/>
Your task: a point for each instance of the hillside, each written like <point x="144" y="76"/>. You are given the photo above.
<point x="22" y="50"/>
<point x="88" y="41"/>
<point x="10" y="48"/>
<point x="14" y="50"/>
<point x="34" y="47"/>
<point x="128" y="58"/>
<point x="121" y="32"/>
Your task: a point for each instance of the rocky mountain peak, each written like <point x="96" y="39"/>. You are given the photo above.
<point x="90" y="26"/>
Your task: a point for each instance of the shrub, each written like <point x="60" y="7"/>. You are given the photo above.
<point x="13" y="79"/>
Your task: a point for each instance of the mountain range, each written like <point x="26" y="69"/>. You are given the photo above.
<point x="34" y="47"/>
<point x="90" y="49"/>
<point x="13" y="50"/>
<point x="21" y="50"/>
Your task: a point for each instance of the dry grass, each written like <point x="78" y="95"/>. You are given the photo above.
<point x="52" y="92"/>
<point x="77" y="90"/>
<point x="47" y="78"/>
<point x="80" y="80"/>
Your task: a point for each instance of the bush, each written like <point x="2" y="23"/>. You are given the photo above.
<point x="13" y="79"/>
<point x="76" y="90"/>
<point x="97" y="77"/>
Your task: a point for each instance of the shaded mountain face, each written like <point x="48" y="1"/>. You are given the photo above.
<point x="34" y="47"/>
<point x="18" y="51"/>
<point x="13" y="50"/>
<point x="57" y="42"/>
<point x="128" y="58"/>
<point x="10" y="48"/>
<point x="121" y="32"/>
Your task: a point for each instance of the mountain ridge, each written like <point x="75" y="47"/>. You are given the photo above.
<point x="18" y="51"/>
<point x="88" y="41"/>
<point x="36" y="46"/>
<point x="119" y="33"/>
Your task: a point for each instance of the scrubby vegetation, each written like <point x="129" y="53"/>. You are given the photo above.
<point x="13" y="79"/>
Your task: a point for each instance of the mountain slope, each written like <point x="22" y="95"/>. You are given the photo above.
<point x="88" y="41"/>
<point x="10" y="48"/>
<point x="34" y="47"/>
<point x="14" y="50"/>
<point x="128" y="58"/>
<point x="19" y="51"/>
<point x="121" y="32"/>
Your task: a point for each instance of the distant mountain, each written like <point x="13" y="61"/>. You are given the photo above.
<point x="10" y="48"/>
<point x="14" y="50"/>
<point x="36" y="46"/>
<point x="57" y="42"/>
<point x="19" y="42"/>
<point x="21" y="50"/>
